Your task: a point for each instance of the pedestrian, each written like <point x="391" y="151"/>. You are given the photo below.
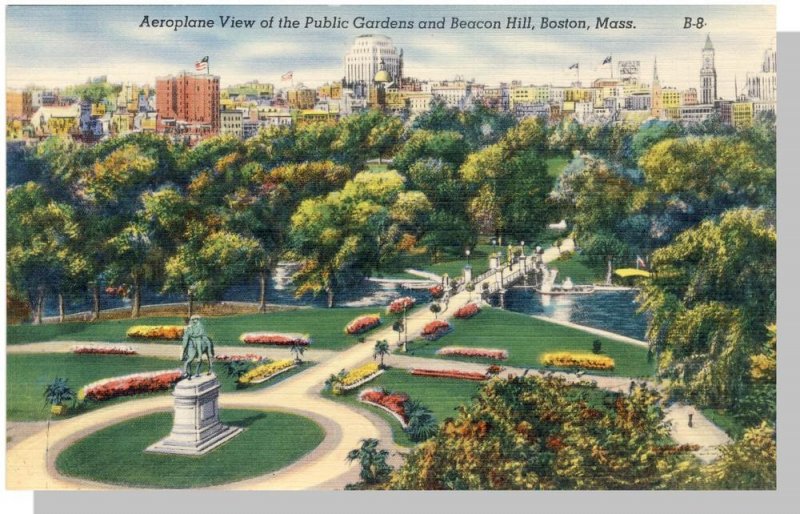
<point x="690" y="419"/>
<point x="631" y="387"/>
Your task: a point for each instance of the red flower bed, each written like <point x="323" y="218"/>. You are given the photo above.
<point x="449" y="373"/>
<point x="274" y="338"/>
<point x="467" y="311"/>
<point x="395" y="402"/>
<point x="486" y="353"/>
<point x="362" y="324"/>
<point x="401" y="304"/>
<point x="246" y="357"/>
<point x="130" y="385"/>
<point x="436" y="292"/>
<point x="103" y="349"/>
<point x="436" y="329"/>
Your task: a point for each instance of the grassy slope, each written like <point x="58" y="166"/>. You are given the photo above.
<point x="270" y="441"/>
<point x="29" y="374"/>
<point x="555" y="165"/>
<point x="579" y="270"/>
<point x="326" y="327"/>
<point x="527" y="338"/>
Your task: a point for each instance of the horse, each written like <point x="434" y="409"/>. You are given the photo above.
<point x="196" y="344"/>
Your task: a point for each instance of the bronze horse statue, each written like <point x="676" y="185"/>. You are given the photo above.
<point x="196" y="343"/>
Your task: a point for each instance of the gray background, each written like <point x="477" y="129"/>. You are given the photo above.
<point x="782" y="500"/>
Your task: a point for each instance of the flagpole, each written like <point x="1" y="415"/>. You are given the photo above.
<point x="611" y="63"/>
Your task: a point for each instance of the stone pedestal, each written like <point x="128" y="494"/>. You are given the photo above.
<point x="467" y="274"/>
<point x="196" y="429"/>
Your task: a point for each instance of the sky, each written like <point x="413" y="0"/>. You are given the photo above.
<point x="60" y="45"/>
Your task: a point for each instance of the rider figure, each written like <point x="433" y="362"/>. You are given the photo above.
<point x="195" y="343"/>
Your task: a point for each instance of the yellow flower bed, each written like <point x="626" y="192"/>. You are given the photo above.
<point x="359" y="374"/>
<point x="156" y="332"/>
<point x="265" y="370"/>
<point x="578" y="360"/>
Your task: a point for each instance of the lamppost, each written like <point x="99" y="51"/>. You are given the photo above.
<point x="467" y="252"/>
<point x="190" y="292"/>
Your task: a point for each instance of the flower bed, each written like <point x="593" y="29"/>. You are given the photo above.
<point x="449" y="373"/>
<point x="249" y="357"/>
<point x="155" y="332"/>
<point x="467" y="311"/>
<point x="392" y="402"/>
<point x="104" y="349"/>
<point x="436" y="329"/>
<point x="266" y="371"/>
<point x="401" y="304"/>
<point x="275" y="338"/>
<point x="486" y="353"/>
<point x="436" y="292"/>
<point x="362" y="324"/>
<point x="129" y="385"/>
<point x="578" y="360"/>
<point x="360" y="375"/>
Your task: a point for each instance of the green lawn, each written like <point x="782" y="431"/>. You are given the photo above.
<point x="725" y="421"/>
<point x="441" y="395"/>
<point x="555" y="165"/>
<point x="270" y="441"/>
<point x="526" y="339"/>
<point x="29" y="374"/>
<point x="326" y="327"/>
<point x="579" y="270"/>
<point x="451" y="262"/>
<point x="374" y="166"/>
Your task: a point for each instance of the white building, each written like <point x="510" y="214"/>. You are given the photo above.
<point x="762" y="87"/>
<point x="363" y="60"/>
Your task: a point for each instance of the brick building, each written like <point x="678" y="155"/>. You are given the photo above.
<point x="188" y="104"/>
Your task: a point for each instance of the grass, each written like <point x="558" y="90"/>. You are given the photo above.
<point x="441" y="395"/>
<point x="270" y="441"/>
<point x="29" y="374"/>
<point x="527" y="338"/>
<point x="451" y="262"/>
<point x="555" y="165"/>
<point x="326" y="327"/>
<point x="578" y="268"/>
<point x="374" y="166"/>
<point x="724" y="420"/>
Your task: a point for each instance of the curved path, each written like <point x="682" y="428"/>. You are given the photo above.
<point x="30" y="463"/>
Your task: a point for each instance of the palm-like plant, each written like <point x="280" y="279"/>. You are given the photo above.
<point x="334" y="382"/>
<point x="422" y="424"/>
<point x="236" y="369"/>
<point x="435" y="309"/>
<point x="374" y="468"/>
<point x="381" y="350"/>
<point x="297" y="351"/>
<point x="469" y="287"/>
<point x="58" y="392"/>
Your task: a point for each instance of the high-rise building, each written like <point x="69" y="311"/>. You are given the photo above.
<point x="363" y="60"/>
<point x="188" y="104"/>
<point x="708" y="74"/>
<point x="656" y="104"/>
<point x="762" y="87"/>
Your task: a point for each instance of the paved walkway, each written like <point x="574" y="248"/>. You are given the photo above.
<point x="30" y="462"/>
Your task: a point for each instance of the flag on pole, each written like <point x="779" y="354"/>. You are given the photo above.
<point x="607" y="60"/>
<point x="640" y="262"/>
<point x="287" y="76"/>
<point x="202" y="64"/>
<point x="574" y="66"/>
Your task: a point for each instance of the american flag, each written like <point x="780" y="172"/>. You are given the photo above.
<point x="202" y="64"/>
<point x="287" y="76"/>
<point x="607" y="60"/>
<point x="574" y="66"/>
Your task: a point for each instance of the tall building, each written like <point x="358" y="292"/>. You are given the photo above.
<point x="363" y="60"/>
<point x="708" y="74"/>
<point x="762" y="87"/>
<point x="188" y="104"/>
<point x="655" y="95"/>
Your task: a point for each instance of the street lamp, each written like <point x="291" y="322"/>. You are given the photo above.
<point x="467" y="252"/>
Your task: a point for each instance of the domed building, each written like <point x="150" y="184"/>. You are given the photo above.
<point x="363" y="62"/>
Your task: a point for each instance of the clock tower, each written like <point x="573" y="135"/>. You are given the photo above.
<point x="708" y="75"/>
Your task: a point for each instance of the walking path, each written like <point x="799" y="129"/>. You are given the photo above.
<point x="30" y="463"/>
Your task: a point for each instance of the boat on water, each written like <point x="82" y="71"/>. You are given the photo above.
<point x="549" y="286"/>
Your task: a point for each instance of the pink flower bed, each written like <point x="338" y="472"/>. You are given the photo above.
<point x="450" y="373"/>
<point x="486" y="353"/>
<point x="103" y="349"/>
<point x="362" y="324"/>
<point x="275" y="339"/>
<point x="244" y="357"/>
<point x="129" y="385"/>
<point x="436" y="329"/>
<point x="467" y="311"/>
<point x="395" y="402"/>
<point x="436" y="292"/>
<point x="401" y="304"/>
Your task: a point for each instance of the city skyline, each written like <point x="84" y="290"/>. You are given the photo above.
<point x="112" y="44"/>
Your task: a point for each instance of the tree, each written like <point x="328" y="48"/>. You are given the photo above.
<point x="385" y="136"/>
<point x="749" y="463"/>
<point x="135" y="260"/>
<point x="435" y="309"/>
<point x="542" y="433"/>
<point x="448" y="147"/>
<point x="711" y="305"/>
<point x="374" y="468"/>
<point x="381" y="350"/>
<point x="422" y="424"/>
<point x="297" y="351"/>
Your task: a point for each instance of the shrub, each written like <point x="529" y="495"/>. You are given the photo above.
<point x="362" y="324"/>
<point x="597" y="346"/>
<point x="467" y="311"/>
<point x="169" y="332"/>
<point x="578" y="360"/>
<point x="401" y="304"/>
<point x="436" y="329"/>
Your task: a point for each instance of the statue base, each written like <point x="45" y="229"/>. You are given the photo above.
<point x="196" y="429"/>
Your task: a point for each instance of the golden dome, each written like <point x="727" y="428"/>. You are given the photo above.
<point x="382" y="76"/>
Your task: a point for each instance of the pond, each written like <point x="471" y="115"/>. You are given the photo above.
<point x="614" y="311"/>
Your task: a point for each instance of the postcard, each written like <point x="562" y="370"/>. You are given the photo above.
<point x="391" y="247"/>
